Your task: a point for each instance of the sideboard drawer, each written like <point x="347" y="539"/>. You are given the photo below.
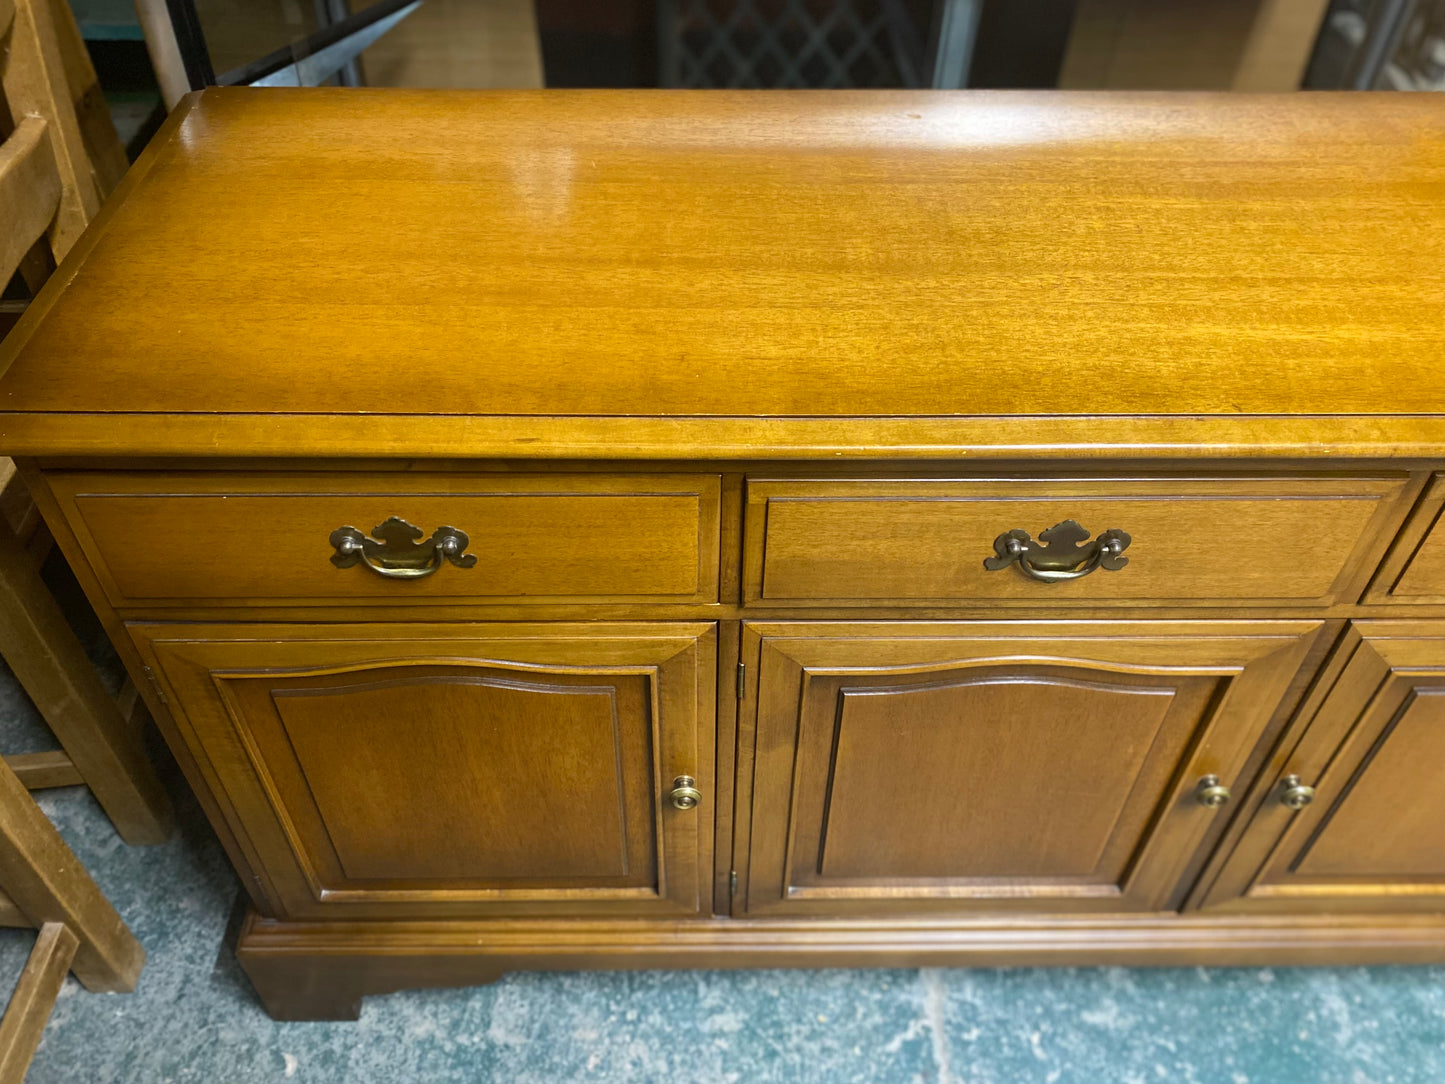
<point x="164" y="540"/>
<point x="1310" y="539"/>
<point x="1415" y="570"/>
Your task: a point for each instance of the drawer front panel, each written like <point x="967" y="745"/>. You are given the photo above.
<point x="1415" y="571"/>
<point x="1312" y="540"/>
<point x="172" y="539"/>
<point x="403" y="771"/>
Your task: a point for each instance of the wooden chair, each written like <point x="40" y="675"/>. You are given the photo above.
<point x="51" y="184"/>
<point x="50" y="188"/>
<point x="43" y="884"/>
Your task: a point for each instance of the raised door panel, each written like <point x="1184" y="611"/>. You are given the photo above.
<point x="1372" y="752"/>
<point x="457" y="769"/>
<point x="1027" y="766"/>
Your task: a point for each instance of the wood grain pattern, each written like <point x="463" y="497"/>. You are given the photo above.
<point x="29" y="1008"/>
<point x="1036" y="766"/>
<point x="507" y="769"/>
<point x="767" y="256"/>
<point x="51" y="665"/>
<point x="1415" y="569"/>
<point x="689" y="368"/>
<point x="168" y="539"/>
<point x="36" y="84"/>
<point x="305" y="972"/>
<point x="38" y="771"/>
<point x="1372" y="747"/>
<point x="43" y="879"/>
<point x="11" y="915"/>
<point x="499" y="777"/>
<point x="1193" y="539"/>
<point x="29" y="190"/>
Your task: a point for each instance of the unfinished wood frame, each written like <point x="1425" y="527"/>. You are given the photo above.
<point x="43" y="884"/>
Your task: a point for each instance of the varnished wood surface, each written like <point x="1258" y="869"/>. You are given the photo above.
<point x="311" y="971"/>
<point x="434" y="782"/>
<point x="403" y="770"/>
<point x="1044" y="766"/>
<point x="1415" y="570"/>
<point x="1370" y="743"/>
<point x="913" y="540"/>
<point x="246" y="540"/>
<point x="752" y="269"/>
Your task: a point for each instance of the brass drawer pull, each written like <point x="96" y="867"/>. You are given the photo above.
<point x="1295" y="794"/>
<point x="1063" y="555"/>
<point x="394" y="551"/>
<point x="684" y="794"/>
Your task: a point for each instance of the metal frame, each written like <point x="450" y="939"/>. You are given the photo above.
<point x="328" y="13"/>
<point x="956" y="34"/>
<point x="1370" y="55"/>
<point x="1379" y="45"/>
<point x="186" y="25"/>
<point x="331" y="50"/>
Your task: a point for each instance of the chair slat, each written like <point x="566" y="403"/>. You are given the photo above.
<point x="29" y="191"/>
<point x="103" y="148"/>
<point x="39" y="771"/>
<point x="35" y="85"/>
<point x="33" y="999"/>
<point x="48" y="884"/>
<point x="48" y="661"/>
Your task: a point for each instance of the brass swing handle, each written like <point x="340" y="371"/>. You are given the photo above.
<point x="1065" y="553"/>
<point x="395" y="553"/>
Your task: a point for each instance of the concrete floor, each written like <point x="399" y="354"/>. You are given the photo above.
<point x="193" y="1017"/>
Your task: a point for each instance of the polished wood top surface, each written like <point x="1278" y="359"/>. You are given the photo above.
<point x="716" y="273"/>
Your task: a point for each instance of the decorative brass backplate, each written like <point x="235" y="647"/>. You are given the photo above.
<point x="1065" y="553"/>
<point x="394" y="551"/>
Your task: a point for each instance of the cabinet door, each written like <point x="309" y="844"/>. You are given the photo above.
<point x="1025" y="766"/>
<point x="414" y="771"/>
<point x="1372" y="751"/>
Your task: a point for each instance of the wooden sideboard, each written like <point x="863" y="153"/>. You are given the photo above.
<point x="631" y="529"/>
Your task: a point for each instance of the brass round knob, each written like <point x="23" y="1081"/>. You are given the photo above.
<point x="1295" y="794"/>
<point x="1211" y="793"/>
<point x="685" y="794"/>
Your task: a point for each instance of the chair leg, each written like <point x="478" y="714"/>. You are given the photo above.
<point x="45" y="880"/>
<point x="51" y="665"/>
<point x="34" y="997"/>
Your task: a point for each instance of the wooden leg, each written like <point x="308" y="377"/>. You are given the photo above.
<point x="296" y="990"/>
<point x="308" y="973"/>
<point x="50" y="663"/>
<point x="33" y="999"/>
<point x="44" y="879"/>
